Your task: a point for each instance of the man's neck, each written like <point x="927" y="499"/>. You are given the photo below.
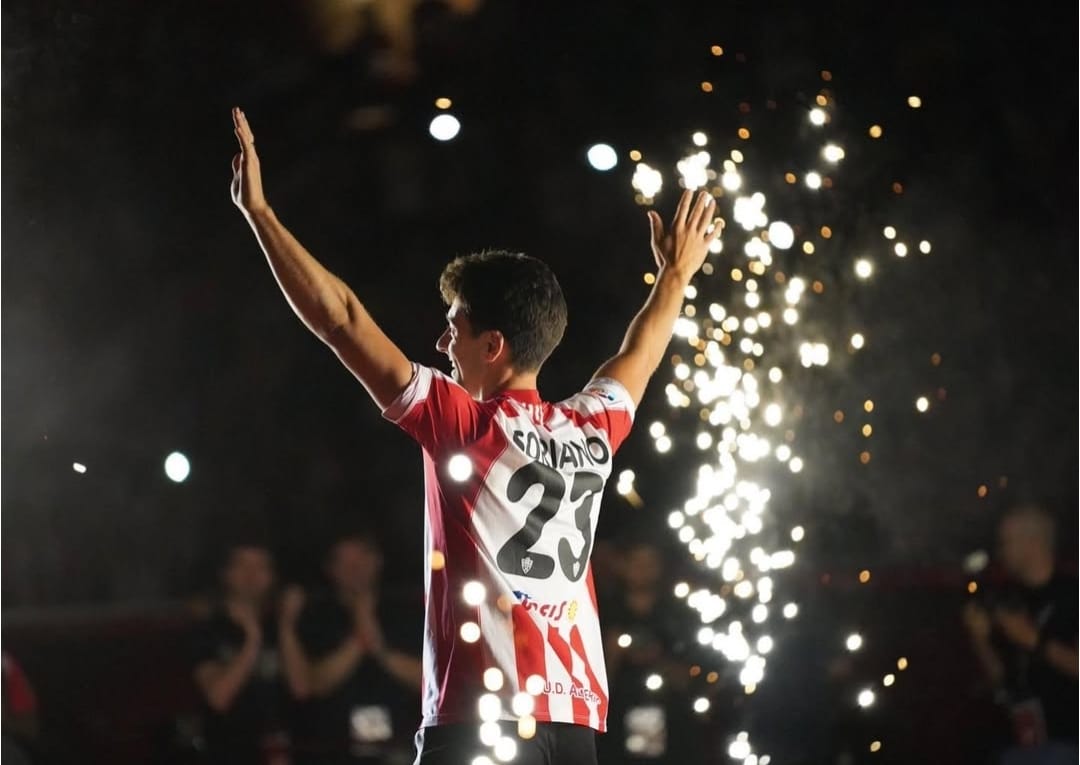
<point x="507" y="380"/>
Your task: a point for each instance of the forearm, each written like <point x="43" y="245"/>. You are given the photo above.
<point x="328" y="673"/>
<point x="649" y="332"/>
<point x="404" y="668"/>
<point x="1061" y="657"/>
<point x="221" y="688"/>
<point x="295" y="663"/>
<point x="319" y="299"/>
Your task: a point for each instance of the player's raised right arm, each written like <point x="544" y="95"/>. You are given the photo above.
<point x="323" y="302"/>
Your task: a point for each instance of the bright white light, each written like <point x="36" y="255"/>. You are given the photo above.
<point x="889" y="232"/>
<point x="832" y="153"/>
<point x="776" y="375"/>
<point x="797" y="534"/>
<point x="489" y="707"/>
<point x="790" y="316"/>
<point x="863" y="268"/>
<point x="624" y="640"/>
<point x="791" y="611"/>
<point x="888" y="680"/>
<point x="490" y="733"/>
<point x="781" y="235"/>
<point x="653" y="682"/>
<point x="602" y="157"/>
<point x="657" y="429"/>
<point x="522" y="704"/>
<point x="177" y="467"/>
<point x="647" y="180"/>
<point x="813" y="180"/>
<point x="474" y="593"/>
<point x="483" y="760"/>
<point x="493" y="678"/>
<point x="526" y="726"/>
<point x="505" y="749"/>
<point x="865" y="698"/>
<point x="534" y="685"/>
<point x="701" y="705"/>
<point x="739" y="749"/>
<point x="470" y="632"/>
<point x="459" y="467"/>
<point x="853" y="642"/>
<point x="682" y="589"/>
<point x="924" y="247"/>
<point x="773" y="415"/>
<point x="731" y="180"/>
<point x="764" y="644"/>
<point x="700" y="139"/>
<point x="78" y="467"/>
<point x="857" y="341"/>
<point x="922" y="403"/>
<point x="759" y="613"/>
<point x="444" y="127"/>
<point x="704" y="440"/>
<point x="795" y="464"/>
<point x="694" y="170"/>
<point x="663" y="444"/>
<point x="817" y="117"/>
<point x="900" y="249"/>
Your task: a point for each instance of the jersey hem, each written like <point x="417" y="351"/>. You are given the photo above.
<point x="451" y="719"/>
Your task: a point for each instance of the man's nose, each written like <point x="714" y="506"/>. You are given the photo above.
<point x="442" y="343"/>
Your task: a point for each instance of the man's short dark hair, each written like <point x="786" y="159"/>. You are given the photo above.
<point x="514" y="294"/>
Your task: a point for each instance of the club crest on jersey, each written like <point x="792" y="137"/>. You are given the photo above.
<point x="552" y="611"/>
<point x="601" y="393"/>
<point x="526" y="564"/>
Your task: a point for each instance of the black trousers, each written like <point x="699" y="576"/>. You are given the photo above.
<point x="553" y="744"/>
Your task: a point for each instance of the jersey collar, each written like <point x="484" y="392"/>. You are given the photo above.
<point x="524" y="395"/>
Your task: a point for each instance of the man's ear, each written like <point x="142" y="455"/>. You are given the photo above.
<point x="495" y="345"/>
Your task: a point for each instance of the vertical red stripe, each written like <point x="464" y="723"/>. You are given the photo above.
<point x="562" y="650"/>
<point x="530" y="657"/>
<point x="579" y="646"/>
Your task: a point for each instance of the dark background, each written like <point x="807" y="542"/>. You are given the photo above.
<point x="139" y="317"/>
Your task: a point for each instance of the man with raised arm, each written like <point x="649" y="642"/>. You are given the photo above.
<point x="512" y="482"/>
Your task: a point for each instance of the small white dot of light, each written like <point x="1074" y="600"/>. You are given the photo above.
<point x="653" y="682"/>
<point x="739" y="750"/>
<point x="857" y="341"/>
<point x="782" y="558"/>
<point x="751" y="760"/>
<point x="682" y="589"/>
<point x="490" y="707"/>
<point x="736" y="155"/>
<point x="663" y="444"/>
<point x="676" y="519"/>
<point x="743" y="589"/>
<point x="602" y="157"/>
<point x="746" y="345"/>
<point x="78" y="467"/>
<point x="889" y="232"/>
<point x="686" y="534"/>
<point x="924" y="247"/>
<point x="773" y="415"/>
<point x="731" y="181"/>
<point x="759" y="613"/>
<point x="685" y="327"/>
<point x="900" y="249"/>
<point x="177" y="467"/>
<point x="914" y="102"/>
<point x="716" y="311"/>
<point x="694" y="170"/>
<point x="853" y="642"/>
<point x="682" y="371"/>
<point x="473" y="593"/>
<point x="755" y="249"/>
<point x="526" y="726"/>
<point x="729" y="165"/>
<point x="795" y="465"/>
<point x="704" y="440"/>
<point x="647" y="180"/>
<point x="700" y="139"/>
<point x="863" y="268"/>
<point x="753" y="300"/>
<point x="888" y="680"/>
<point x="821" y="354"/>
<point x="832" y="153"/>
<point x="781" y="235"/>
<point x="751" y="284"/>
<point x="657" y="429"/>
<point x="764" y="319"/>
<point x="505" y="749"/>
<point x="470" y="632"/>
<point x="483" y="760"/>
<point x="791" y="611"/>
<point x="875" y="746"/>
<point x="534" y="685"/>
<point x="976" y="561"/>
<point x="765" y="760"/>
<point x="705" y="635"/>
<point x="817" y="117"/>
<point x="701" y="705"/>
<point x="865" y="698"/>
<point x="493" y="678"/>
<point x="922" y="403"/>
<point x="459" y="467"/>
<point x="750" y="325"/>
<point x="690" y="292"/>
<point x="751" y="676"/>
<point x="522" y="704"/>
<point x="813" y="180"/>
<point x="731" y="323"/>
<point x="764" y="644"/>
<point x="444" y="127"/>
<point x="783" y="452"/>
<point x="624" y="640"/>
<point x="790" y="316"/>
<point x="776" y="375"/>
<point x="797" y="534"/>
<point x="626" y="476"/>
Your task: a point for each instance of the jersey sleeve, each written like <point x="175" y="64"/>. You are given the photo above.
<point x="435" y="411"/>
<point x="608" y="404"/>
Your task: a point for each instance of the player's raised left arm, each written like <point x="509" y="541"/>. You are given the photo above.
<point x="679" y="254"/>
<point x="324" y="303"/>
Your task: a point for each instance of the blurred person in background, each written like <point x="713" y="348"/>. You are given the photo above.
<point x="1024" y="636"/>
<point x="19" y="714"/>
<point x="645" y="633"/>
<point x="361" y="682"/>
<point x="237" y="666"/>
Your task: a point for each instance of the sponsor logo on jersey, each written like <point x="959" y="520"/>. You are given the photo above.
<point x="602" y="393"/>
<point x="551" y="611"/>
<point x="571" y="689"/>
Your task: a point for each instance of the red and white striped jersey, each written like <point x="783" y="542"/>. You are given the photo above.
<point x="512" y="493"/>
